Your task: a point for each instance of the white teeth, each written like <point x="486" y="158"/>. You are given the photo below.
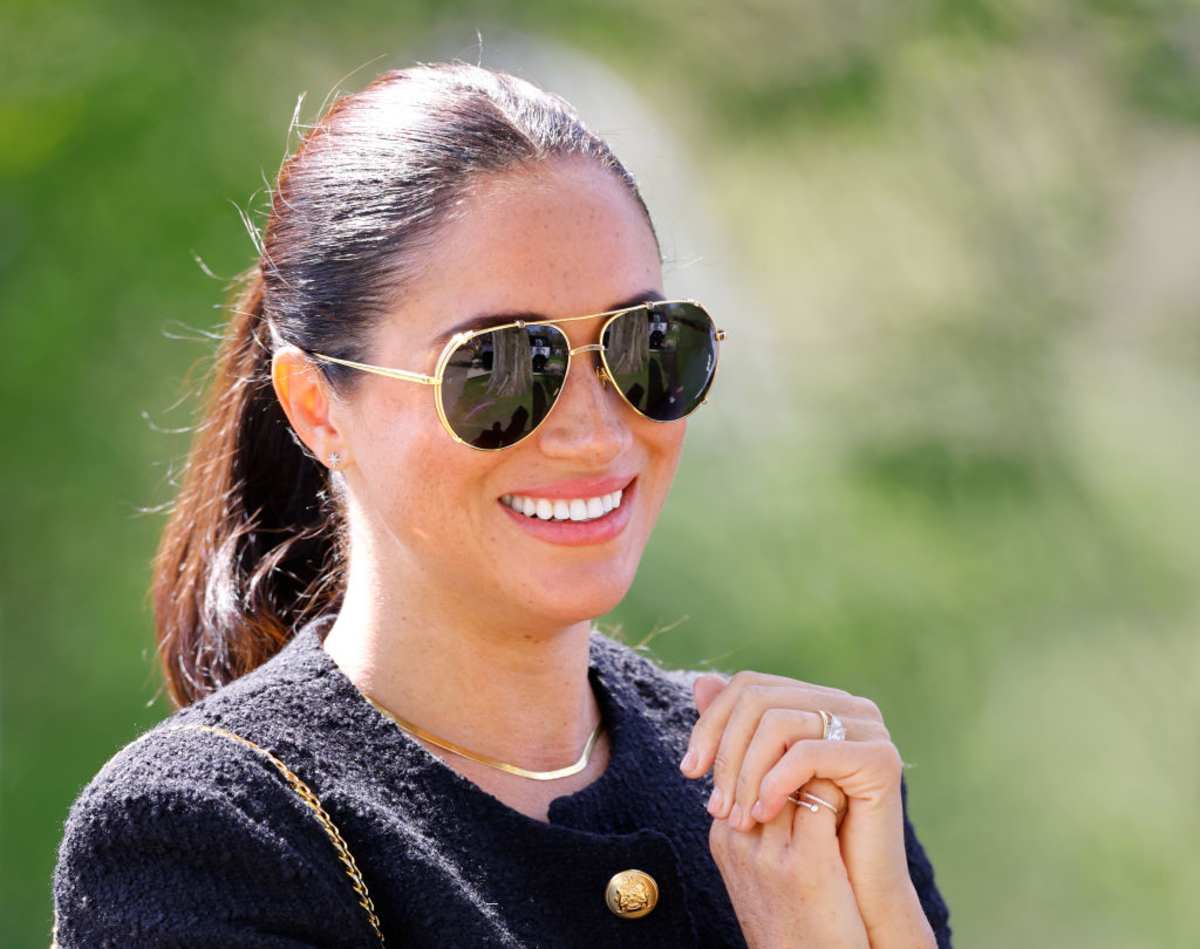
<point x="562" y="509"/>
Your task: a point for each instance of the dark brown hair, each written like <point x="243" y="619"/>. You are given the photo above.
<point x="255" y="543"/>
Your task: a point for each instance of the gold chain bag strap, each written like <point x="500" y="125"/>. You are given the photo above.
<point x="314" y="804"/>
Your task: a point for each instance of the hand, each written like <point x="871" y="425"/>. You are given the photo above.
<point x="762" y="736"/>
<point x="787" y="882"/>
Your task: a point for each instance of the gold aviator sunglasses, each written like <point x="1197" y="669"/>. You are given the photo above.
<point x="494" y="386"/>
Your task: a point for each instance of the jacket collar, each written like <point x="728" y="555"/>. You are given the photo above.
<point x="302" y="706"/>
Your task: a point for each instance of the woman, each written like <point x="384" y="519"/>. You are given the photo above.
<point x="375" y="595"/>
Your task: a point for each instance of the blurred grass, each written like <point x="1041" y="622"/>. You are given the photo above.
<point x="949" y="462"/>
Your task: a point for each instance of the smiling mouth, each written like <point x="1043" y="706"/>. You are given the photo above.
<point x="582" y="509"/>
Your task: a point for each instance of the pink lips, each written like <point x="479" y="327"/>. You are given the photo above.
<point x="579" y="488"/>
<point x="578" y="533"/>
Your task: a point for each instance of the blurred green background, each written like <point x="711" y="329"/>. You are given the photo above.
<point x="950" y="462"/>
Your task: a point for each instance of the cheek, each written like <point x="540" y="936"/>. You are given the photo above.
<point x="429" y="499"/>
<point x="416" y="474"/>
<point x="664" y="441"/>
<point x="662" y="445"/>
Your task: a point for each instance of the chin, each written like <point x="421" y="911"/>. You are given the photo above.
<point x="583" y="602"/>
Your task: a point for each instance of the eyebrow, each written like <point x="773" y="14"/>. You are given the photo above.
<point x="483" y="320"/>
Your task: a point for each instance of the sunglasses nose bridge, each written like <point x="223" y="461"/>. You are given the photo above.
<point x="593" y="348"/>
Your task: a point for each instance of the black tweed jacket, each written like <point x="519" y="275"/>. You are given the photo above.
<point x="185" y="838"/>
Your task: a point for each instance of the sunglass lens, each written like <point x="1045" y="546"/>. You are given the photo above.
<point x="498" y="386"/>
<point x="663" y="357"/>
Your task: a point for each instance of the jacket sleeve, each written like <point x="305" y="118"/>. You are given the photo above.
<point x="210" y="851"/>
<point x="920" y="870"/>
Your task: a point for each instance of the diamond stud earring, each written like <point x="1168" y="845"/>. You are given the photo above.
<point x="334" y="460"/>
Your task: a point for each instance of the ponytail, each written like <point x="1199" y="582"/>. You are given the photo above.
<point x="251" y="549"/>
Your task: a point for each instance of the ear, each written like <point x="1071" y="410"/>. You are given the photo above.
<point x="306" y="400"/>
<point x="707" y="687"/>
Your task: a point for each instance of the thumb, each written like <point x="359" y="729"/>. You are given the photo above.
<point x="706" y="687"/>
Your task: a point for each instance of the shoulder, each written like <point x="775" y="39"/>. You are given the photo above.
<point x="208" y="756"/>
<point x="204" y="752"/>
<point x="190" y="837"/>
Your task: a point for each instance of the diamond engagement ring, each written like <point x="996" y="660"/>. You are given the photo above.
<point x="834" y="730"/>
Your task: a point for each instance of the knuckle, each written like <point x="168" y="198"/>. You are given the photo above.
<point x="743" y="678"/>
<point x="776" y="719"/>
<point x="778" y="861"/>
<point x="719" y="841"/>
<point x="725" y="842"/>
<point x="889" y="757"/>
<point x="868" y="709"/>
<point x="756" y="692"/>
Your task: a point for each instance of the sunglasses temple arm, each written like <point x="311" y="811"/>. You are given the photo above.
<point x="381" y="370"/>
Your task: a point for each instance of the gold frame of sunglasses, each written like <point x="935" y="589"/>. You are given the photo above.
<point x="603" y="371"/>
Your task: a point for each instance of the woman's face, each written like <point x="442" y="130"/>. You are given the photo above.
<point x="563" y="240"/>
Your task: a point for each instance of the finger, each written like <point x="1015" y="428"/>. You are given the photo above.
<point x="813" y="834"/>
<point x="827" y="791"/>
<point x="812" y="827"/>
<point x="706" y="687"/>
<point x="864" y="770"/>
<point x="706" y="733"/>
<point x="776" y="834"/>
<point x="770" y="690"/>
<point x="778" y="729"/>
<point x="742" y="725"/>
<point x="755" y="738"/>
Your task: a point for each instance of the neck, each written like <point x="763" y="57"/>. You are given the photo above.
<point x="515" y="690"/>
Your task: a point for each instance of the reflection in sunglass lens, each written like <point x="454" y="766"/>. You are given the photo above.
<point x="663" y="357"/>
<point x="498" y="386"/>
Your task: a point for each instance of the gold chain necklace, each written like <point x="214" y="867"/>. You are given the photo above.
<point x="566" y="772"/>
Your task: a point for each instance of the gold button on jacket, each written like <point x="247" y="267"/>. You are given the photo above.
<point x="631" y="893"/>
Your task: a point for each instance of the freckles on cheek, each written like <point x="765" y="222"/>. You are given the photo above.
<point x="401" y="481"/>
<point x="432" y="488"/>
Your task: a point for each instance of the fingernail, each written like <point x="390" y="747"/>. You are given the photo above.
<point x="735" y="816"/>
<point x="714" y="802"/>
<point x="757" y="810"/>
<point x="688" y="762"/>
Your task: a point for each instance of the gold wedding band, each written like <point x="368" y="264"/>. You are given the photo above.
<point x="832" y="727"/>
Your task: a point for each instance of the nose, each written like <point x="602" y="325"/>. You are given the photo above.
<point x="586" y="424"/>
